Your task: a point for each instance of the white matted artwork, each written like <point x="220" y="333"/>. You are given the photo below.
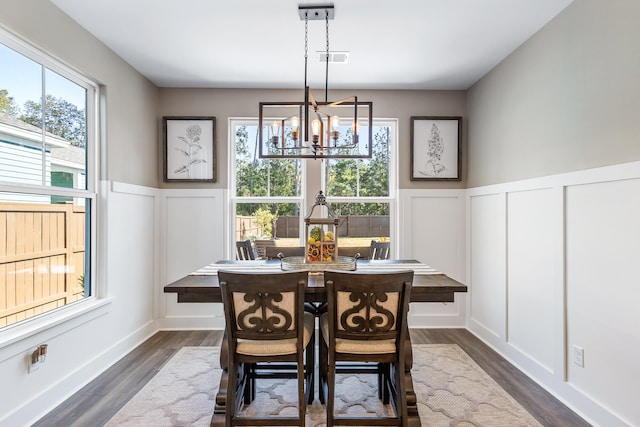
<point x="435" y="148"/>
<point x="189" y="149"/>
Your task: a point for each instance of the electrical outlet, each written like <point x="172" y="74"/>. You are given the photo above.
<point x="578" y="356"/>
<point x="32" y="366"/>
<point x="37" y="358"/>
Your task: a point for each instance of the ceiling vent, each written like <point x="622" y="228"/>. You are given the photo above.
<point x="334" y="57"/>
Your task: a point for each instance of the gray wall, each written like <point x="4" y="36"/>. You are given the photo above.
<point x="226" y="103"/>
<point x="566" y="100"/>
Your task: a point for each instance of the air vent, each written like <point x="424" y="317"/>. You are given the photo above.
<point x="334" y="57"/>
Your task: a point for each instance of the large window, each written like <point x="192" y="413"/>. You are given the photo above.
<point x="47" y="193"/>
<point x="268" y="195"/>
<point x="361" y="191"/>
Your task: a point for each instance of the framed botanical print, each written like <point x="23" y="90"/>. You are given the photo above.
<point x="435" y="148"/>
<point x="189" y="149"/>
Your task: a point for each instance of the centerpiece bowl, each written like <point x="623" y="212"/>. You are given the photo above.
<point x="299" y="263"/>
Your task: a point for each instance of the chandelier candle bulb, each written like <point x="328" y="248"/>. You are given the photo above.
<point x="335" y="133"/>
<point x="274" y="133"/>
<point x="335" y="122"/>
<point x="315" y="127"/>
<point x="294" y="128"/>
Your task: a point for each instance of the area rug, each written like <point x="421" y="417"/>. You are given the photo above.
<point x="451" y="390"/>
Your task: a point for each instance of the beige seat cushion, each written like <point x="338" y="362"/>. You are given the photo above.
<point x="357" y="346"/>
<point x="276" y="347"/>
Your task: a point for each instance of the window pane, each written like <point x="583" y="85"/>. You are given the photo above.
<point x="42" y="255"/>
<point x="21" y="156"/>
<point x="362" y="177"/>
<point x="362" y="222"/>
<point x="268" y="221"/>
<point x="20" y="81"/>
<point x="257" y="177"/>
<point x="65" y="118"/>
<point x="21" y="116"/>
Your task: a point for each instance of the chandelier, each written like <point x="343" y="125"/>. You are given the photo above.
<point x="311" y="128"/>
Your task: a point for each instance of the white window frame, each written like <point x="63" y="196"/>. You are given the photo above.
<point x="95" y="304"/>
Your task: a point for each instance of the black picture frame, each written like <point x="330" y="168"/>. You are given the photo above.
<point x="189" y="149"/>
<point x="436" y="148"/>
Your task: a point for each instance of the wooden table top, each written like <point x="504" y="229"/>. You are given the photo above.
<point x="429" y="285"/>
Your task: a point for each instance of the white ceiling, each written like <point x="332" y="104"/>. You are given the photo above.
<point x="393" y="44"/>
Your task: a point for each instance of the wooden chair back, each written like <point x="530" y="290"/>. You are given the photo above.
<point x="273" y="251"/>
<point x="245" y="250"/>
<point x="352" y="251"/>
<point x="366" y="321"/>
<point x="265" y="322"/>
<point x="368" y="306"/>
<point x="379" y="250"/>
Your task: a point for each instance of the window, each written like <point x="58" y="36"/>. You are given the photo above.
<point x="361" y="191"/>
<point x="268" y="194"/>
<point x="47" y="184"/>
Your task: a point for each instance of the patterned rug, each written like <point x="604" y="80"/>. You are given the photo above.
<point x="451" y="389"/>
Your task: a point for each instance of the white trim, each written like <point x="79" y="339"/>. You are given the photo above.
<point x="17" y="338"/>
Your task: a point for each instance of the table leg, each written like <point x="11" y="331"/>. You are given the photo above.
<point x="412" y="402"/>
<point x="219" y="410"/>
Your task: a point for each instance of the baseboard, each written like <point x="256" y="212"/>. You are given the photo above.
<point x="49" y="398"/>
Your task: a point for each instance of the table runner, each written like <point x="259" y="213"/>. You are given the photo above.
<point x="366" y="267"/>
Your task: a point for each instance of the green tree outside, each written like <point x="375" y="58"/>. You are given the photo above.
<point x="61" y="118"/>
<point x="8" y="105"/>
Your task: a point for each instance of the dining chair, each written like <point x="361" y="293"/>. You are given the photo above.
<point x="361" y="252"/>
<point x="269" y="335"/>
<point x="245" y="250"/>
<point x="261" y="246"/>
<point x="364" y="331"/>
<point x="379" y="250"/>
<point x="272" y="252"/>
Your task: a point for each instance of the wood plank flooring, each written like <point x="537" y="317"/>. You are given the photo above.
<point x="99" y="400"/>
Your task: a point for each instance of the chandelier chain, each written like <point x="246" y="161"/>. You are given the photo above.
<point x="327" y="32"/>
<point x="306" y="35"/>
<point x="326" y="73"/>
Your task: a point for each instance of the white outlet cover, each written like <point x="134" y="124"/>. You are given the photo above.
<point x="578" y="356"/>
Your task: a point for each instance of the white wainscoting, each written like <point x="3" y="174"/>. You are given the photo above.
<point x="194" y="235"/>
<point x="431" y="229"/>
<point x="84" y="339"/>
<point x="553" y="264"/>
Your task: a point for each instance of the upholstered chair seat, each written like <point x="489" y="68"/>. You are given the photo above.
<point x="277" y="347"/>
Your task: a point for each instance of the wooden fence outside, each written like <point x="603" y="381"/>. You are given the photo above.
<point x="41" y="258"/>
<point x="289" y="226"/>
<point x="349" y="226"/>
<point x="247" y="226"/>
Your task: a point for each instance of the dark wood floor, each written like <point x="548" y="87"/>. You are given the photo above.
<point x="98" y="401"/>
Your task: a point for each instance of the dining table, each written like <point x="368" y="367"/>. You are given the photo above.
<point x="202" y="286"/>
